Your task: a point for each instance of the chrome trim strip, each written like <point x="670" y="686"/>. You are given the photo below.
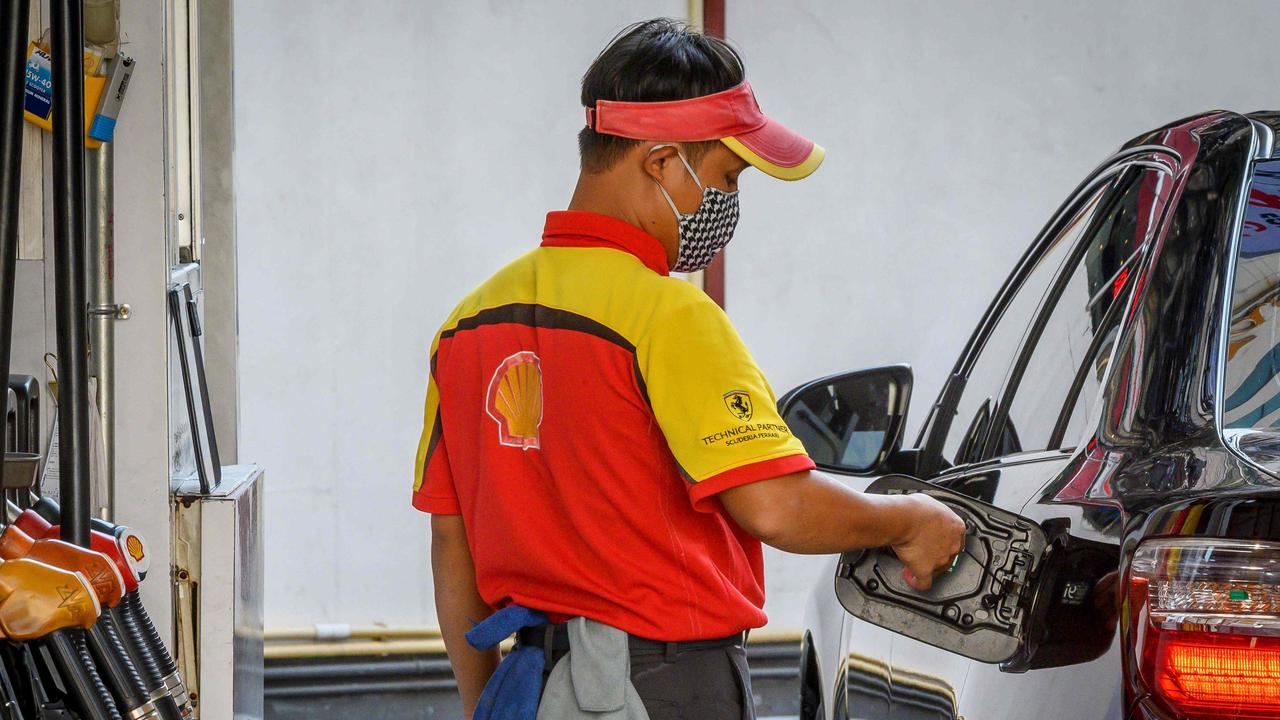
<point x="1229" y="289"/>
<point x="1268" y="140"/>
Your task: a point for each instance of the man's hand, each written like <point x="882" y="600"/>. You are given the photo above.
<point x="936" y="537"/>
<point x="810" y="512"/>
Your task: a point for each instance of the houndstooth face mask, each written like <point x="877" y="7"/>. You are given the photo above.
<point x="705" y="231"/>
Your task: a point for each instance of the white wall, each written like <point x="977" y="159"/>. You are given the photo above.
<point x="390" y="156"/>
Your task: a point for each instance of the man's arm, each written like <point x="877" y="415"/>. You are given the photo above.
<point x="458" y="607"/>
<point x="812" y="513"/>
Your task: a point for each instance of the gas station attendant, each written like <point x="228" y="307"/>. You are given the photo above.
<point x="601" y="456"/>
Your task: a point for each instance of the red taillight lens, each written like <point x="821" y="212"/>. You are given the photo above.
<point x="1207" y="674"/>
<point x="1206" y="626"/>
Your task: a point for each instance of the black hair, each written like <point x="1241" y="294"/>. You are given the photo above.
<point x="652" y="61"/>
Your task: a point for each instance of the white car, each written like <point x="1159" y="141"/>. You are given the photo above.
<point x="1111" y="435"/>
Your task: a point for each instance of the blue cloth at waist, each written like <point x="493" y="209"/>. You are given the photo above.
<point x="515" y="688"/>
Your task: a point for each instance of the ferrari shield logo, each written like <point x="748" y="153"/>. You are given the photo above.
<point x="739" y="403"/>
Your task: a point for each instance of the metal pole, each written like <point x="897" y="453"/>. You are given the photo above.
<point x="102" y="335"/>
<point x="13" y="35"/>
<point x="67" y="28"/>
<point x="713" y="277"/>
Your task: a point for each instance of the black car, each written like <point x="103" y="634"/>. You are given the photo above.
<point x="1111" y="436"/>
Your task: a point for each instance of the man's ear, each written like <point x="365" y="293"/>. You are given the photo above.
<point x="656" y="160"/>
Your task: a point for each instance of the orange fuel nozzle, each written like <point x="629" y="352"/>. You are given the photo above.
<point x="97" y="568"/>
<point x="15" y="543"/>
<point x="37" y="599"/>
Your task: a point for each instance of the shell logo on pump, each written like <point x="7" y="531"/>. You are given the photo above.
<point x="135" y="551"/>
<point x="134" y="545"/>
<point x="514" y="400"/>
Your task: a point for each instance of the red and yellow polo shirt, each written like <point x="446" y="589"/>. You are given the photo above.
<point x="583" y="411"/>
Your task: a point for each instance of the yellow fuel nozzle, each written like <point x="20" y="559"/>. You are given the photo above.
<point x="37" y="599"/>
<point x="101" y="572"/>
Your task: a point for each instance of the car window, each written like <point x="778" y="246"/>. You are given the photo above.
<point x="1251" y="374"/>
<point x="1068" y="357"/>
<point x="968" y="431"/>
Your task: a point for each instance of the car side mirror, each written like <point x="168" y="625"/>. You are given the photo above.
<point x="851" y="422"/>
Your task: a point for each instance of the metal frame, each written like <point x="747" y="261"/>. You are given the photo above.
<point x="183" y="132"/>
<point x="219" y="593"/>
<point x="217" y="215"/>
<point x="103" y="315"/>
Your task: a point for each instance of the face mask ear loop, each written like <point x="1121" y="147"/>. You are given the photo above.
<point x="670" y="202"/>
<point x="689" y="167"/>
<point x="665" y="194"/>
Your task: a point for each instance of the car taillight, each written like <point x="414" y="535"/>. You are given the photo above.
<point x="1206" y="626"/>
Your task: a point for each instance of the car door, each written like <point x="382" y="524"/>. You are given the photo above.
<point x="1001" y="445"/>
<point x="1051" y="405"/>
<point x="891" y="676"/>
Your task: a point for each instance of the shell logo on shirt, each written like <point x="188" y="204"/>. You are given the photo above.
<point x="739" y="403"/>
<point x="514" y="400"/>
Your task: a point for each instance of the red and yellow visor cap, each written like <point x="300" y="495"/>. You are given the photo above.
<point x="732" y="116"/>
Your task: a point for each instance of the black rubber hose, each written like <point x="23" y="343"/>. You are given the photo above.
<point x="133" y="606"/>
<point x="66" y="28"/>
<point x="32" y="678"/>
<point x="47" y="508"/>
<point x="100" y="690"/>
<point x="12" y="707"/>
<point x="117" y="668"/>
<point x="79" y="676"/>
<point x="142" y="657"/>
<point x="13" y="41"/>
<point x="131" y="636"/>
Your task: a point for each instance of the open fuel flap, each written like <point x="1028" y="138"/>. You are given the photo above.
<point x="981" y="608"/>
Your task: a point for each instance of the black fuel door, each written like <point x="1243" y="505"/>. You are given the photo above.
<point x="980" y="608"/>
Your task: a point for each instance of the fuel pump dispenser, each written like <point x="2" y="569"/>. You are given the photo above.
<point x="82" y="647"/>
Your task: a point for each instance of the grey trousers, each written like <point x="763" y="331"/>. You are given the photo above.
<point x="712" y="684"/>
<point x="697" y="684"/>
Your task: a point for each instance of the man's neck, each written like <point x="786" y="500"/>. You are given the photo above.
<point x="601" y="193"/>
